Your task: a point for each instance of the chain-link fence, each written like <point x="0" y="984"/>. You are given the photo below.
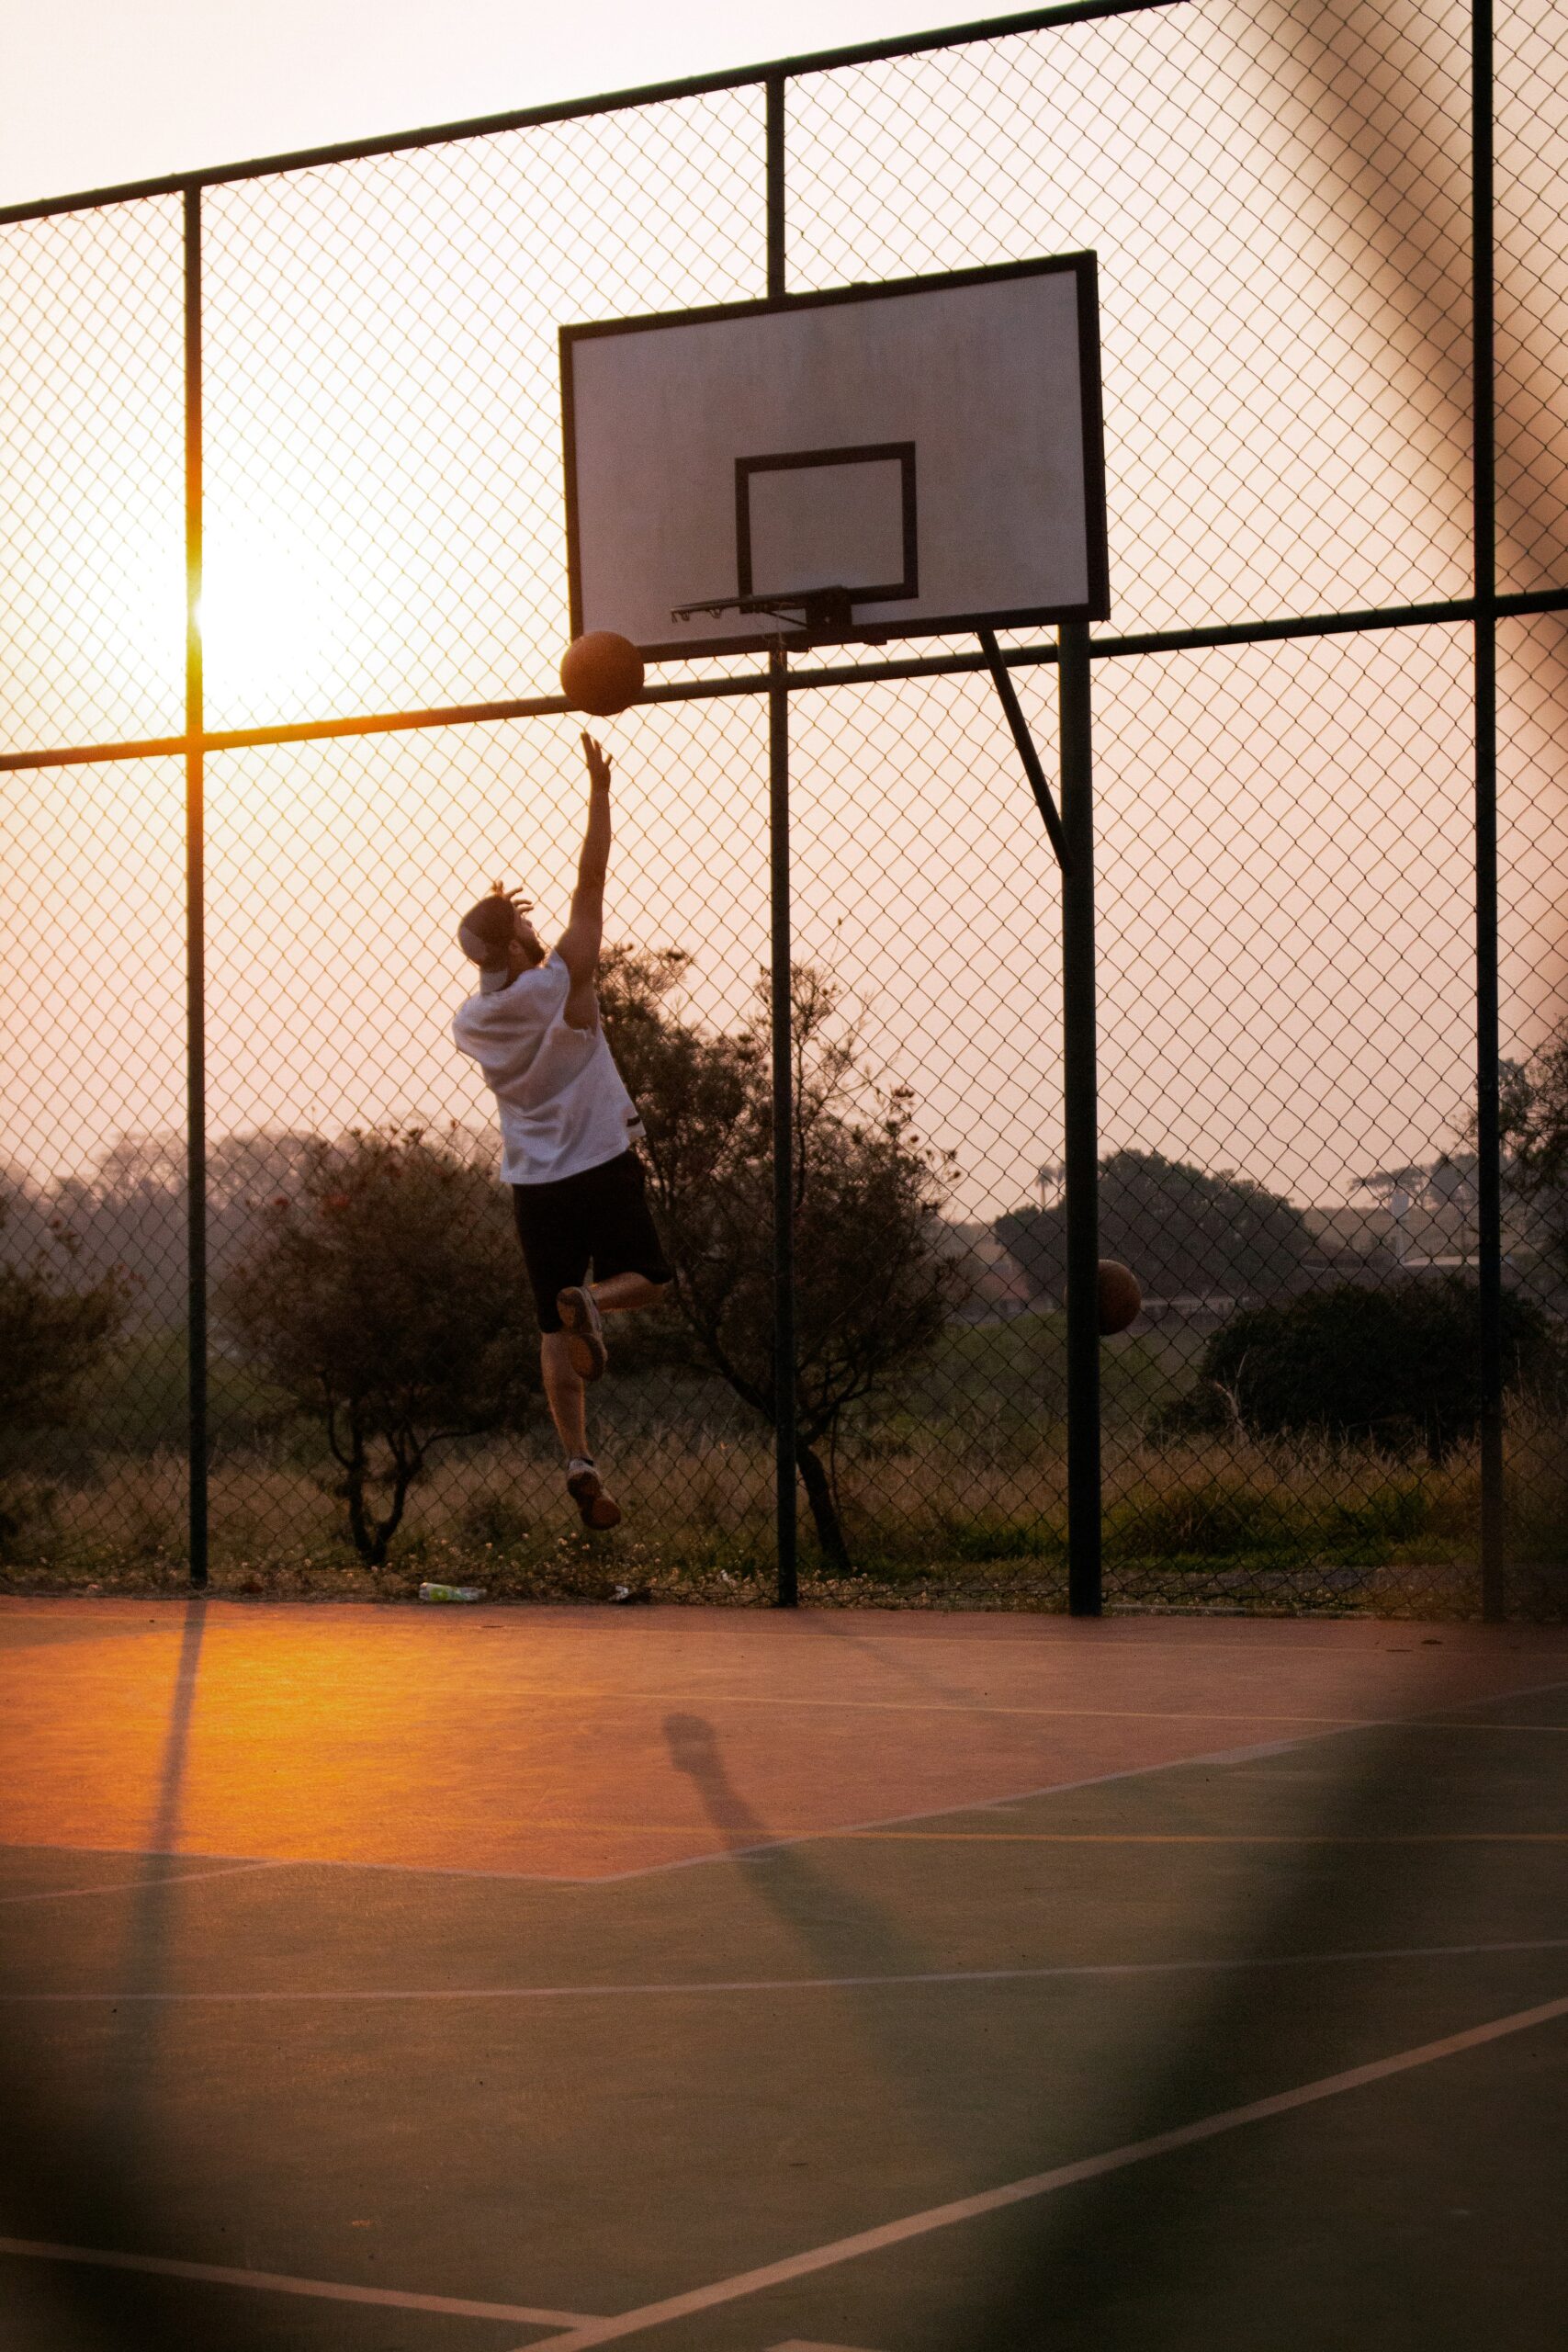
<point x="325" y="396"/>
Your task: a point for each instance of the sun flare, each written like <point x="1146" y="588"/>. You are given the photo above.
<point x="265" y="616"/>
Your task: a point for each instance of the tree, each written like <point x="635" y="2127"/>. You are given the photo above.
<point x="384" y="1293"/>
<point x="1395" y="1189"/>
<point x="873" y="1281"/>
<point x="1535" y="1136"/>
<point x="1182" y="1232"/>
<point x="53" y="1334"/>
<point x="1392" y="1367"/>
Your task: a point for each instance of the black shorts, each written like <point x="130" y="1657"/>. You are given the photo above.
<point x="600" y="1216"/>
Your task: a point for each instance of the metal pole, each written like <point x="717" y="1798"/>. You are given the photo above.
<point x="780" y="952"/>
<point x="1081" y="1152"/>
<point x="777" y="87"/>
<point x="1007" y="695"/>
<point x="784" y="1130"/>
<point x="195" y="950"/>
<point x="1488" y="1122"/>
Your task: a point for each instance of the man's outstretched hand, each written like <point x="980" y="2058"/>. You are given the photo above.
<point x="598" y="761"/>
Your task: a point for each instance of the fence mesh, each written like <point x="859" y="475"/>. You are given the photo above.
<point x="1281" y="204"/>
<point x="93" y="528"/>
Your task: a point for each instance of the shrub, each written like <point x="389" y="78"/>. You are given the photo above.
<point x="386" y="1296"/>
<point x="1395" y="1367"/>
<point x="53" y="1335"/>
<point x="1212" y="1518"/>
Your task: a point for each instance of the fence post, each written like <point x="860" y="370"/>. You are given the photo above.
<point x="1488" y="1135"/>
<point x="785" y="1468"/>
<point x="776" y="88"/>
<point x="196" y="926"/>
<point x="1080" y="1117"/>
<point x="784" y="1472"/>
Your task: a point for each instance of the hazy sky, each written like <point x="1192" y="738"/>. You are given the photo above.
<point x="96" y="92"/>
<point x="1283" y="855"/>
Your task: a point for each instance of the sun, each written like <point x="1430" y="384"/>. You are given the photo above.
<point x="266" y="617"/>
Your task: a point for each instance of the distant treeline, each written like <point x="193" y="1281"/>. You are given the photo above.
<point x="1184" y="1233"/>
<point x="131" y="1212"/>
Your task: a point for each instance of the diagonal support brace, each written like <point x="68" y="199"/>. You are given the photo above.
<point x="1025" y="741"/>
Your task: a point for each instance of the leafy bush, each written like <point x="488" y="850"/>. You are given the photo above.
<point x="53" y="1335"/>
<point x="1535" y="1138"/>
<point x="386" y="1294"/>
<point x="1395" y="1368"/>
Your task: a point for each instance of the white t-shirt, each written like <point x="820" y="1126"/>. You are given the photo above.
<point x="563" y="1105"/>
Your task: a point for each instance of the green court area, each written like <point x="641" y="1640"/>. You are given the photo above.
<point x="728" y="1981"/>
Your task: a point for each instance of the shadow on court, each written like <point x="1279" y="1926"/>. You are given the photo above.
<point x="1418" y="2214"/>
<point x="83" y="2182"/>
<point x="843" y="1939"/>
<point x="149" y="1921"/>
<point x="930" y="1911"/>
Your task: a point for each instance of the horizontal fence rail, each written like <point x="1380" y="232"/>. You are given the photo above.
<point x="284" y="586"/>
<point x="1023" y="657"/>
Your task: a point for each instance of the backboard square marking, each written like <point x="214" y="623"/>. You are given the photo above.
<point x="810" y="519"/>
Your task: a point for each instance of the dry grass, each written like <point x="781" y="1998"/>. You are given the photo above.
<point x="932" y="1516"/>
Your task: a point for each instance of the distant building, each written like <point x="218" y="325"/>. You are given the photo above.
<point x="991" y="1284"/>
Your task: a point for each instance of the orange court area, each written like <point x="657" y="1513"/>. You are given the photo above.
<point x="592" y="1743"/>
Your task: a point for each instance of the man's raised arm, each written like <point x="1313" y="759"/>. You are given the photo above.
<point x="579" y="943"/>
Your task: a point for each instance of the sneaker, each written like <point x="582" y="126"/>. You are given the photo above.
<point x="598" y="1511"/>
<point x="584" y="1327"/>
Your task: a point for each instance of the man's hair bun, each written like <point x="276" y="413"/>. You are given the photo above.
<point x="486" y="930"/>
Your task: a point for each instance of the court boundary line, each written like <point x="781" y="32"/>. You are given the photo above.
<point x="581" y="2333"/>
<point x="131" y="1885"/>
<point x="1472" y="1639"/>
<point x="1044" y="2183"/>
<point x="278" y="2282"/>
<point x="1093" y="1970"/>
<point x="1252" y="1753"/>
<point x="1257" y="1717"/>
<point x="730" y="1853"/>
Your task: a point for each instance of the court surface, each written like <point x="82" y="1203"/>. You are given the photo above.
<point x="719" y="1981"/>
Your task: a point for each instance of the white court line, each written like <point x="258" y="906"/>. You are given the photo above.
<point x="871" y="1625"/>
<point x="136" y="1885"/>
<point x="276" y="2283"/>
<point x="698" y="1985"/>
<point x="1041" y="2184"/>
<point x="1116" y="1630"/>
<point x="607" y="1696"/>
<point x="763" y="1845"/>
<point x="1249" y="1755"/>
<point x="614" y="1695"/>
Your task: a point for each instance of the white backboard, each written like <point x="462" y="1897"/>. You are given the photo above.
<point x="931" y="446"/>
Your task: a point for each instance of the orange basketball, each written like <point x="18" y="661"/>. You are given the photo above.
<point x="601" y="672"/>
<point x="1120" y="1297"/>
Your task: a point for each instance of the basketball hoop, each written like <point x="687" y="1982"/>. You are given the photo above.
<point x="826" y="611"/>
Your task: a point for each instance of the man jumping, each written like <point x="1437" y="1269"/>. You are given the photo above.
<point x="569" y="1131"/>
